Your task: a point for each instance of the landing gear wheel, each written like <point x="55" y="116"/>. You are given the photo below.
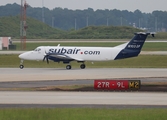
<point x="82" y="66"/>
<point x="68" y="67"/>
<point x="21" y="66"/>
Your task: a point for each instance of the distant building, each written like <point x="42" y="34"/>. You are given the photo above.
<point x="5" y="43"/>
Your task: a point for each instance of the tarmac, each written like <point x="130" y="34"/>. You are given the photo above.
<point x="43" y="74"/>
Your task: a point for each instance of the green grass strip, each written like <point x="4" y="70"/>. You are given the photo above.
<point x="83" y="114"/>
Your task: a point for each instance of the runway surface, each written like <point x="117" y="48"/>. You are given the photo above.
<point x="84" y="98"/>
<point x="43" y="74"/>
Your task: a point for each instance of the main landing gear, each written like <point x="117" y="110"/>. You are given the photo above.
<point x="21" y="64"/>
<point x="68" y="67"/>
<point x="82" y="66"/>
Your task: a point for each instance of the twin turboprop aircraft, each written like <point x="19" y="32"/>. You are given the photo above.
<point x="67" y="54"/>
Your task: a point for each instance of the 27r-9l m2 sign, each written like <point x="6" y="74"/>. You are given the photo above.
<point x="117" y="84"/>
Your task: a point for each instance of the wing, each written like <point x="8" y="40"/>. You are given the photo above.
<point x="63" y="57"/>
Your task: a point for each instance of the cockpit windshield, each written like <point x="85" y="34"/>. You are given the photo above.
<point x="37" y="49"/>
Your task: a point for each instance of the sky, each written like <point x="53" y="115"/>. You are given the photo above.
<point x="146" y="6"/>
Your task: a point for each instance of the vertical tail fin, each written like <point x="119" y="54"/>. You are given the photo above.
<point x="137" y="42"/>
<point x="134" y="47"/>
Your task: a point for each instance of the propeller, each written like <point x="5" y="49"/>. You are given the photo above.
<point x="46" y="56"/>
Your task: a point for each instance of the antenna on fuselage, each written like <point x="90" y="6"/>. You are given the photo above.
<point x="58" y="45"/>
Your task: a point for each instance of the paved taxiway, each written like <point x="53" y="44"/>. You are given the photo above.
<point x="84" y="98"/>
<point x="39" y="74"/>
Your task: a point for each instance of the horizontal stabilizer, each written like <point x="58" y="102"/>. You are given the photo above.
<point x="145" y="33"/>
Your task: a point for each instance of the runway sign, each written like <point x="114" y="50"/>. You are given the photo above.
<point x="117" y="84"/>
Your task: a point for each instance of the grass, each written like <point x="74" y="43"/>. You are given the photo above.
<point x="142" y="61"/>
<point x="9" y="26"/>
<point x="160" y="46"/>
<point x="82" y="114"/>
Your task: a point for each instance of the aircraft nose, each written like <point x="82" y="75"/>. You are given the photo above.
<point x="21" y="56"/>
<point x="24" y="55"/>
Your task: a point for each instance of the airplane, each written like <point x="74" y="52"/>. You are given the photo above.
<point x="66" y="54"/>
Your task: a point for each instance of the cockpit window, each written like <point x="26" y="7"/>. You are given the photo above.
<point x="37" y="49"/>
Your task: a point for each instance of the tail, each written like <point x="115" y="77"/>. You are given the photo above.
<point x="133" y="48"/>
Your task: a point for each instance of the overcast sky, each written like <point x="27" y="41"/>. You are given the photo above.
<point x="146" y="6"/>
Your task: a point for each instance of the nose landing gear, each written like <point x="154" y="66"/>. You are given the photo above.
<point x="21" y="64"/>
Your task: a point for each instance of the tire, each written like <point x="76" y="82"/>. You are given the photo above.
<point x="68" y="67"/>
<point x="82" y="66"/>
<point x="21" y="66"/>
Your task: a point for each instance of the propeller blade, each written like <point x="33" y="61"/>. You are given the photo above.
<point x="44" y="58"/>
<point x="47" y="60"/>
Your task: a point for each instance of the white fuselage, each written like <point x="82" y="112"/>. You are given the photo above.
<point x="77" y="53"/>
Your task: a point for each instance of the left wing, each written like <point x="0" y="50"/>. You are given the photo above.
<point x="63" y="57"/>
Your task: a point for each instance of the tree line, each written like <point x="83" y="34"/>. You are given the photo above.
<point x="67" y="19"/>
